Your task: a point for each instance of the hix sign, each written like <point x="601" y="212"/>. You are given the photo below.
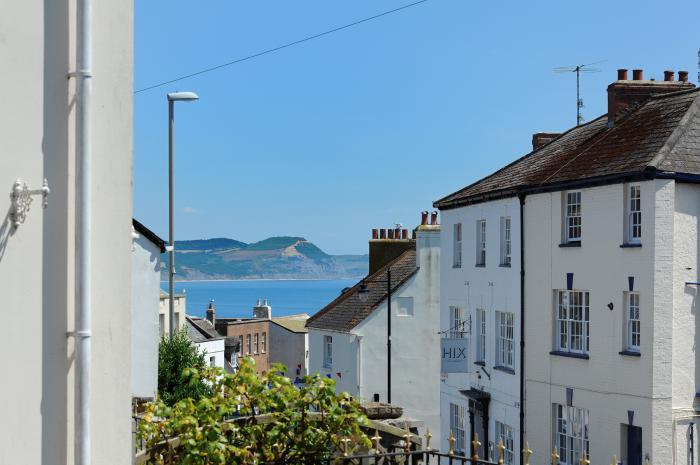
<point x="454" y="355"/>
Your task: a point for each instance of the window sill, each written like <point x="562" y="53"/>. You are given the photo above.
<point x="504" y="265"/>
<point x="481" y="364"/>
<point x="456" y="266"/>
<point x="569" y="354"/>
<point x="630" y="245"/>
<point x="570" y="244"/>
<point x="480" y="265"/>
<point x="631" y="353"/>
<point x="508" y="370"/>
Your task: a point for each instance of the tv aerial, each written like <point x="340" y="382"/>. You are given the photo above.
<point x="578" y="69"/>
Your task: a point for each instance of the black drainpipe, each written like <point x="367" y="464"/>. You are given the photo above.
<point x="522" y="326"/>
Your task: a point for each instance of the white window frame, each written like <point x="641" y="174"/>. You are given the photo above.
<point x="506" y="245"/>
<point x="327" y="351"/>
<point x="457" y="427"/>
<point x="481" y="242"/>
<point x="505" y="433"/>
<point x="247" y="344"/>
<point x="573" y="220"/>
<point x="634" y="324"/>
<point x="505" y="339"/>
<point x="264" y="342"/>
<point x="481" y="335"/>
<point x="572" y="316"/>
<point x="256" y="345"/>
<point x="457" y="322"/>
<point x="240" y="344"/>
<point x="212" y="361"/>
<point x="457" y="246"/>
<point x="571" y="441"/>
<point x="634" y="214"/>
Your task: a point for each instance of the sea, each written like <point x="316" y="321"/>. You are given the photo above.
<point x="235" y="299"/>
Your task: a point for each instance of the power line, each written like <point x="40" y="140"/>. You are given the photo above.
<point x="275" y="49"/>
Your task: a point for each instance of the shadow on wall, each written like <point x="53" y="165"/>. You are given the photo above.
<point x="56" y="360"/>
<point x="6" y="231"/>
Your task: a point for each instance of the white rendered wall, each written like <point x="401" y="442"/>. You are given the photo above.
<point x="491" y="288"/>
<point x="213" y="348"/>
<point x="37" y="260"/>
<point x="608" y="384"/>
<point x="145" y="281"/>
<point x="287" y="348"/>
<point x="345" y="359"/>
<point x="164" y="312"/>
<point x="415" y="345"/>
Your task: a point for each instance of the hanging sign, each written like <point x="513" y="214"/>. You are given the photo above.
<point x="453" y="352"/>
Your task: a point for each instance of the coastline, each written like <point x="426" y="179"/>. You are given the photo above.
<point x="259" y="279"/>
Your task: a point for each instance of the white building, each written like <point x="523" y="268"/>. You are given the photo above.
<point x="208" y="341"/>
<point x="348" y="338"/>
<point x="610" y="239"/>
<point x="145" y="284"/>
<point x="480" y="302"/>
<point x="180" y="311"/>
<point x="38" y="246"/>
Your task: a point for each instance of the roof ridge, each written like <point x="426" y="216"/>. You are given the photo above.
<point x="677" y="133"/>
<point x="528" y="154"/>
<point x="674" y="94"/>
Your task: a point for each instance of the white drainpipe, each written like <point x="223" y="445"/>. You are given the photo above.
<point x="83" y="144"/>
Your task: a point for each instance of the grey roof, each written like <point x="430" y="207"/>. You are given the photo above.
<point x="347" y="310"/>
<point x="201" y="330"/>
<point x="658" y="136"/>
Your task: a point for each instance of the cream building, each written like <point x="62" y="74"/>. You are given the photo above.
<point x="38" y="246"/>
<point x="164" y="312"/>
<point x="610" y="239"/>
<point x="348" y="338"/>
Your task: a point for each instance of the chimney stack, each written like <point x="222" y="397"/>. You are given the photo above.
<point x="624" y="94"/>
<point x="541" y="138"/>
<point x="211" y="313"/>
<point x="262" y="310"/>
<point x="391" y="243"/>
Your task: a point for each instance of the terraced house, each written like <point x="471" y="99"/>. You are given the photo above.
<point x="605" y="290"/>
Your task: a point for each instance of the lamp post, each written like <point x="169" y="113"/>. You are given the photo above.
<point x="364" y="295"/>
<point x="172" y="98"/>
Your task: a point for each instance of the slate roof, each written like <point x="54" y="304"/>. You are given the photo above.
<point x="201" y="330"/>
<point x="658" y="136"/>
<point x="347" y="310"/>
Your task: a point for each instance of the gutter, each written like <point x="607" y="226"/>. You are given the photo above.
<point x="522" y="325"/>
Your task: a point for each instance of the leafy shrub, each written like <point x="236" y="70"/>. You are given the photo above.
<point x="254" y="419"/>
<point x="176" y="355"/>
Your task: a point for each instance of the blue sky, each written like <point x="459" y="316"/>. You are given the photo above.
<point x="366" y="127"/>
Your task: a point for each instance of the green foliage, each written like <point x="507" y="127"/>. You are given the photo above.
<point x="177" y="358"/>
<point x="251" y="418"/>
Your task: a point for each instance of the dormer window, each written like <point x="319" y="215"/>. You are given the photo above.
<point x="572" y="219"/>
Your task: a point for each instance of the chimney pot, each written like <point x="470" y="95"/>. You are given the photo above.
<point x="424" y="217"/>
<point x="397" y="233"/>
<point x="375" y="233"/>
<point x="404" y="234"/>
<point x="382" y="233"/>
<point x="541" y="138"/>
<point x="637" y="75"/>
<point x="390" y="233"/>
<point x="622" y="74"/>
<point x="683" y="76"/>
<point x="668" y="75"/>
<point x="433" y="218"/>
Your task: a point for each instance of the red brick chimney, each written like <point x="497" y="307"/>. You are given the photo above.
<point x="541" y="138"/>
<point x="623" y="93"/>
<point x="391" y="243"/>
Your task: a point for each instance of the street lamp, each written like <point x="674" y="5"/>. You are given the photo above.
<point x="363" y="294"/>
<point x="172" y="98"/>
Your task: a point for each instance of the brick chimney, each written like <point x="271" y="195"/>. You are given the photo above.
<point x="623" y="93"/>
<point x="541" y="138"/>
<point x="211" y="313"/>
<point x="389" y="244"/>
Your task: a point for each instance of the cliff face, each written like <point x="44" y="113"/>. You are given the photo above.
<point x="272" y="258"/>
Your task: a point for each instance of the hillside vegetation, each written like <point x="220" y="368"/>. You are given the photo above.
<point x="282" y="257"/>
